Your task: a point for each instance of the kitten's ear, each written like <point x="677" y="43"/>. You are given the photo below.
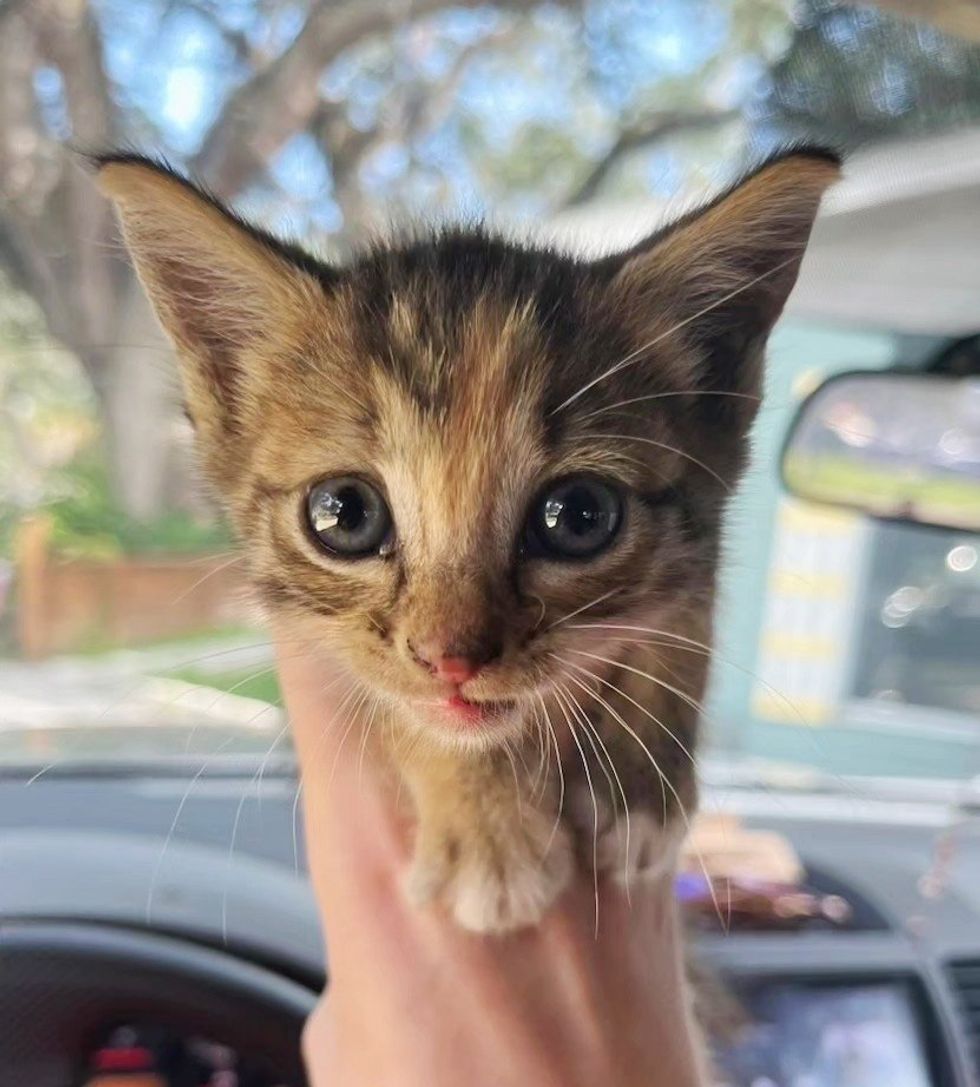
<point x="227" y="295"/>
<point x="721" y="274"/>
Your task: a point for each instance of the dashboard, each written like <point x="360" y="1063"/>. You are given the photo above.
<point x="156" y="936"/>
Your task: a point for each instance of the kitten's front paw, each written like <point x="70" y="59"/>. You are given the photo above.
<point x="628" y="850"/>
<point x="497" y="883"/>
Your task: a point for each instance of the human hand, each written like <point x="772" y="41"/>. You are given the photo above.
<point x="414" y="1001"/>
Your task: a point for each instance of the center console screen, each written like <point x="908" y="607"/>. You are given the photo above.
<point x="827" y="1036"/>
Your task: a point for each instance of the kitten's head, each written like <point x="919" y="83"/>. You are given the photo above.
<point x="465" y="465"/>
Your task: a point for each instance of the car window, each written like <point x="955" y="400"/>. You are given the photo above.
<point x="846" y="645"/>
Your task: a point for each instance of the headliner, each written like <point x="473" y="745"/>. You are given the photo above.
<point x="896" y="245"/>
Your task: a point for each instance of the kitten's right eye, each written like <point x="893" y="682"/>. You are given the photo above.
<point x="349" y="517"/>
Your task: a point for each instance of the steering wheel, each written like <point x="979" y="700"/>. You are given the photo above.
<point x="64" y="986"/>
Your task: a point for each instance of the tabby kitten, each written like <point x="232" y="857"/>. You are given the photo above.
<point x="490" y="479"/>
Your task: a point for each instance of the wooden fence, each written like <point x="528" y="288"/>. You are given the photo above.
<point x="66" y="605"/>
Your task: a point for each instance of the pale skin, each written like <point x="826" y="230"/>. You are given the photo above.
<point x="414" y="1001"/>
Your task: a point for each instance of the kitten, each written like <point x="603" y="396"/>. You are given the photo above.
<point x="490" y="478"/>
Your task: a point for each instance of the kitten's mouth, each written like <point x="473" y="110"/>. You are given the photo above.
<point x="464" y="712"/>
<point x="461" y="718"/>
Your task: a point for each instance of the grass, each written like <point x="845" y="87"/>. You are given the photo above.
<point x="97" y="648"/>
<point x="259" y="683"/>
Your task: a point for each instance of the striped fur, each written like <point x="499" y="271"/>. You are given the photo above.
<point x="460" y="372"/>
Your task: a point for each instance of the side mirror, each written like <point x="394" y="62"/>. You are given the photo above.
<point x="900" y="446"/>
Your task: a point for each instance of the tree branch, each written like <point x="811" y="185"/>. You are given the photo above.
<point x="11" y="7"/>
<point x="69" y="38"/>
<point x="958" y="18"/>
<point x="245" y="52"/>
<point x="282" y="99"/>
<point x="658" y="126"/>
<point x="29" y="171"/>
<point x="409" y="111"/>
<point x="423" y="113"/>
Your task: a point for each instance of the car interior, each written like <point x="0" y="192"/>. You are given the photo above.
<point x="157" y="926"/>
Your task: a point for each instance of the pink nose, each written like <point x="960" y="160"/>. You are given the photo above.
<point x="449" y="667"/>
<point x="453" y="669"/>
<point x="454" y="659"/>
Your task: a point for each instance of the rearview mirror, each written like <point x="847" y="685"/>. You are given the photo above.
<point x="900" y="446"/>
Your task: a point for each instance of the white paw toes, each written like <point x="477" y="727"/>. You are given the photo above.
<point x="487" y="898"/>
<point x="629" y="849"/>
<point x="497" y="886"/>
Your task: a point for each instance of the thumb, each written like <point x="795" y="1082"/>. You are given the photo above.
<point x="355" y="841"/>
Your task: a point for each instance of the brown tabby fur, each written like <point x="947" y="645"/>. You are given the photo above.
<point x="453" y="371"/>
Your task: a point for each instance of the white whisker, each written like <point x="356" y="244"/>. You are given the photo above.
<point x="584" y="607"/>
<point x="37" y="775"/>
<point x="664" y="781"/>
<point x="364" y="741"/>
<point x="583" y="717"/>
<point x="694" y="394"/>
<point x="671" y="449"/>
<point x="151" y="890"/>
<point x="351" y="722"/>
<point x="588" y="728"/>
<point x="210" y="574"/>
<point x="706" y="650"/>
<point x="234" y="831"/>
<point x="683" y="695"/>
<point x="561" y="772"/>
<point x="540" y="783"/>
<point x="639" y="351"/>
<point x="656" y="720"/>
<point x="595" y="810"/>
<point x="517" y="784"/>
<point x="295" y="824"/>
<point x="544" y="609"/>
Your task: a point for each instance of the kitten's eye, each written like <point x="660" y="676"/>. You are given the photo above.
<point x="349" y="517"/>
<point x="575" y="518"/>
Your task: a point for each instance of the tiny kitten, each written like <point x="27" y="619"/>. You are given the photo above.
<point x="490" y="479"/>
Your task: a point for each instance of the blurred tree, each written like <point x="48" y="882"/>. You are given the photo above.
<point x="57" y="236"/>
<point x="329" y="118"/>
<point x="957" y="18"/>
<point x="327" y="115"/>
<point x="856" y="74"/>
<point x="46" y="410"/>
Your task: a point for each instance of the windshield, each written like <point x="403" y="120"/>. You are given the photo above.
<point x="845" y="645"/>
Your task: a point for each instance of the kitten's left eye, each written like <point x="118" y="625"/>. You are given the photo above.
<point x="575" y="518"/>
<point x="349" y="517"/>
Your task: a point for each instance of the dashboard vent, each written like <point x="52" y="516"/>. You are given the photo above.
<point x="965" y="979"/>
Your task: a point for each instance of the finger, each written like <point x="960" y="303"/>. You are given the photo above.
<point x="354" y="838"/>
<point x="320" y="697"/>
